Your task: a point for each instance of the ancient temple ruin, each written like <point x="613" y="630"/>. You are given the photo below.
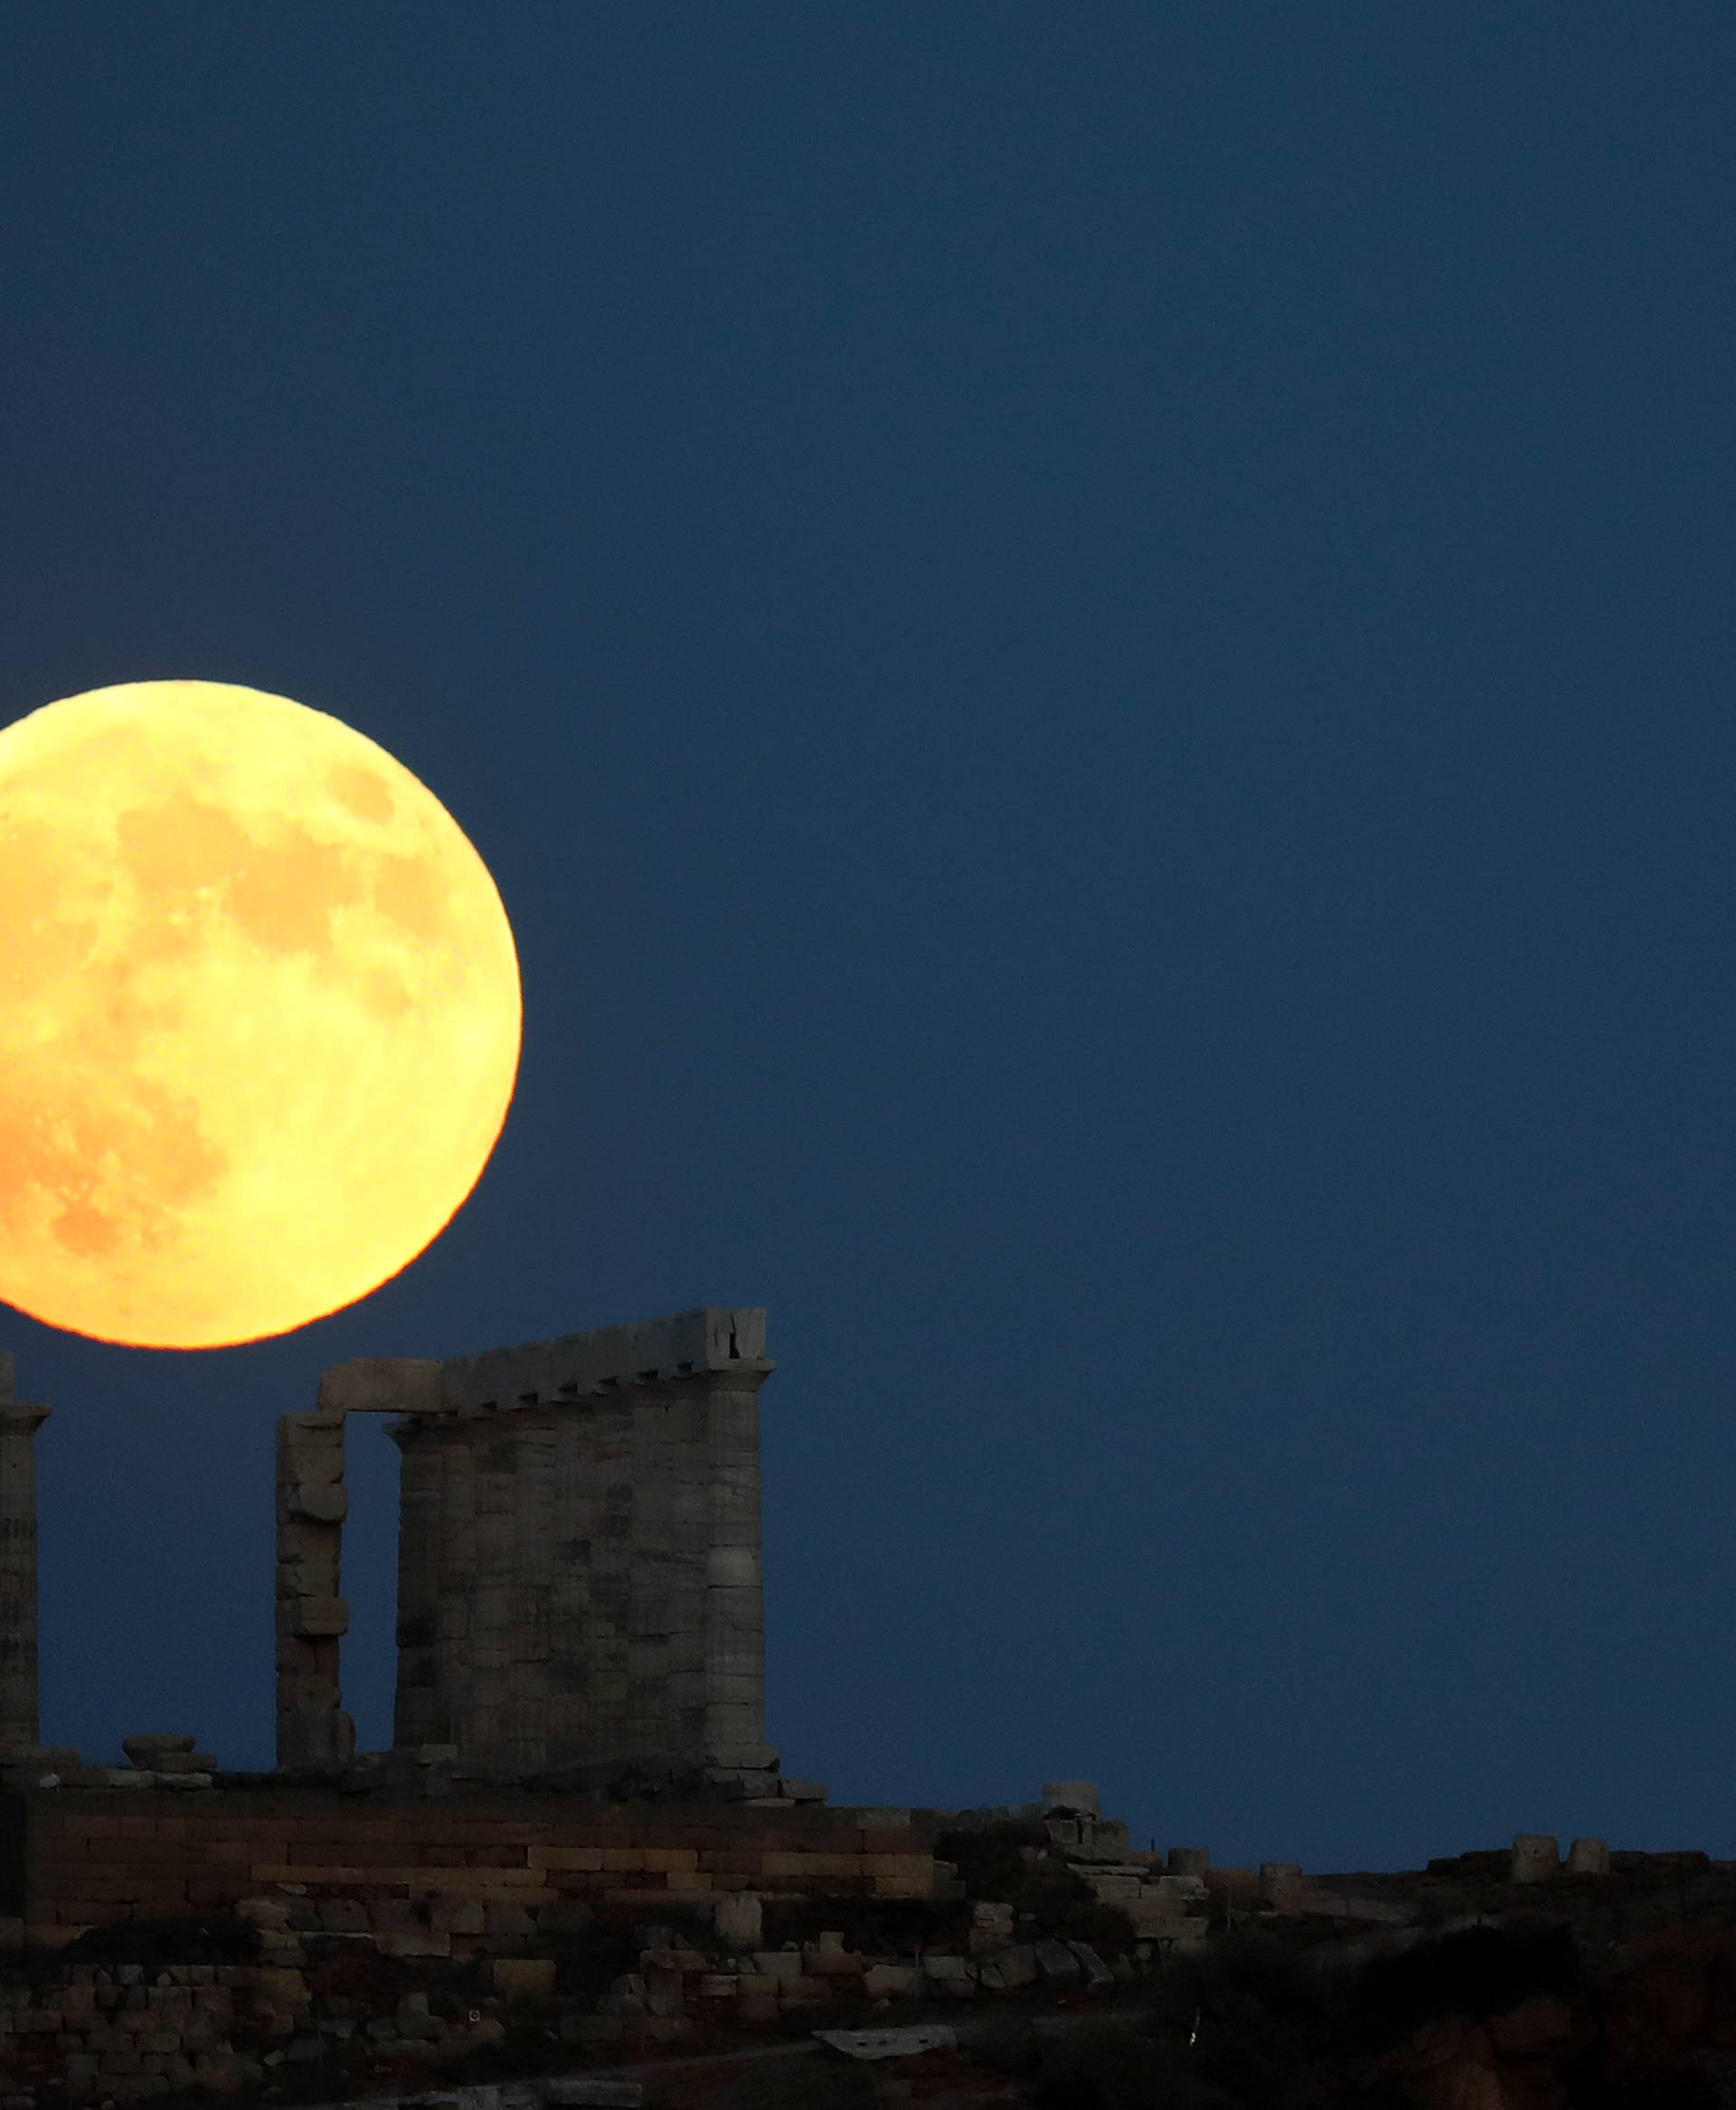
<point x="578" y="1557"/>
<point x="578" y="1583"/>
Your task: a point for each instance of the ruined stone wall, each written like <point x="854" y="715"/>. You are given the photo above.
<point x="578" y="1563"/>
<point x="347" y="1947"/>
<point x="82" y="2033"/>
<point x="448" y="1877"/>
<point x="581" y="1583"/>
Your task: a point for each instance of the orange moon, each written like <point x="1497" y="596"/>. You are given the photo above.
<point x="260" y="1015"/>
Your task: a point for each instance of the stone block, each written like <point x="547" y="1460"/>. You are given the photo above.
<point x="522" y="1977"/>
<point x="668" y="1860"/>
<point x="801" y="1791"/>
<point x="1281" y="1885"/>
<point x="145" y="1751"/>
<point x="380" y="1384"/>
<point x="318" y="1505"/>
<point x="315" y="1617"/>
<point x="740" y="1757"/>
<point x="1188" y="1860"/>
<point x="1589" y="1857"/>
<point x="1070" y="1798"/>
<point x="777" y="1964"/>
<point x="938" y="1967"/>
<point x="737" y="1922"/>
<point x="1152" y="1917"/>
<point x="1110" y="1886"/>
<point x="825" y="1959"/>
<point x="813" y="1864"/>
<point x="310" y="1431"/>
<point x="423" y="1942"/>
<point x="1536" y="1856"/>
<point x="1098" y="1977"/>
<point x="889" y="1980"/>
<point x="54" y="1757"/>
<point x="1058" y="1963"/>
<point x="1018" y="1965"/>
<point x="302" y="1540"/>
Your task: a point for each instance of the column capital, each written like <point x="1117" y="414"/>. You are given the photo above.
<point x="19" y="1418"/>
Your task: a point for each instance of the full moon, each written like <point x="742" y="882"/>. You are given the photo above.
<point x="260" y="1015"/>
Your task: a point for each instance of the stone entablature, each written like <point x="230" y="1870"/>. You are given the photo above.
<point x="722" y="1340"/>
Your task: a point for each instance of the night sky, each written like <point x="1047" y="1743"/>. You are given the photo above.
<point x="1090" y="647"/>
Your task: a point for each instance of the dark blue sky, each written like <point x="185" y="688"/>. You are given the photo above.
<point x="1091" y="648"/>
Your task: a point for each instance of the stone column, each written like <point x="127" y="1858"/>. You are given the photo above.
<point x="646" y="1725"/>
<point x="734" y="1683"/>
<point x="574" y="1528"/>
<point x="494" y="1546"/>
<point x="18" y="1427"/>
<point x="613" y="1558"/>
<point x="455" y="1609"/>
<point x="526" y="1718"/>
<point x="312" y="1617"/>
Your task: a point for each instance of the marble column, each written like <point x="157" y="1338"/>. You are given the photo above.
<point x="18" y="1427"/>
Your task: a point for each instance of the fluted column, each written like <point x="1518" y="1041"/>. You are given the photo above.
<point x="18" y="1427"/>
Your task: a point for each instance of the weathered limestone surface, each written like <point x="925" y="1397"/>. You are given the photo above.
<point x="18" y="1427"/>
<point x="711" y="1338"/>
<point x="1535" y="1856"/>
<point x="312" y="1617"/>
<point x="579" y="1578"/>
<point x="578" y="1552"/>
<point x="380" y="1384"/>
